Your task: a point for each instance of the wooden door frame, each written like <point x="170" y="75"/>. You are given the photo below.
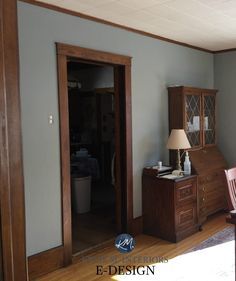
<point x="122" y="65"/>
<point x="11" y="164"/>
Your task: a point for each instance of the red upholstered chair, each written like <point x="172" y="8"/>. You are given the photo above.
<point x="231" y="200"/>
<point x="231" y="188"/>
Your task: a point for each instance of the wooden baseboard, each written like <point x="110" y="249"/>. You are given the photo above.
<point x="50" y="260"/>
<point x="45" y="262"/>
<point x="137" y="226"/>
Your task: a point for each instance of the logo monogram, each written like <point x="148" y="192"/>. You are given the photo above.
<point x="124" y="243"/>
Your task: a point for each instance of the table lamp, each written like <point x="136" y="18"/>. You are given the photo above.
<point x="178" y="140"/>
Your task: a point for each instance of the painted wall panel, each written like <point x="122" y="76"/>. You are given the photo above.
<point x="225" y="82"/>
<point x="155" y="65"/>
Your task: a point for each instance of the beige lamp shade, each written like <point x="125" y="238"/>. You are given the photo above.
<point x="178" y="140"/>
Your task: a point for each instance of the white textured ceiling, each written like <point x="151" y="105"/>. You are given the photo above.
<point x="209" y="24"/>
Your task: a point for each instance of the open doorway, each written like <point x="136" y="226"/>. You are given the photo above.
<point x="123" y="184"/>
<point x="92" y="153"/>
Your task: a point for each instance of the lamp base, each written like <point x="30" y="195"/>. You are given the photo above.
<point x="178" y="162"/>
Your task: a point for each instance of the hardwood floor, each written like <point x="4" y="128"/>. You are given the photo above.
<point x="97" y="226"/>
<point x="84" y="268"/>
<point x="91" y="229"/>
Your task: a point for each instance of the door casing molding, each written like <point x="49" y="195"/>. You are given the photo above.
<point x="122" y="69"/>
<point x="12" y="206"/>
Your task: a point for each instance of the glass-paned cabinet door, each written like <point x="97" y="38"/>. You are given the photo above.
<point x="209" y="119"/>
<point x="192" y="119"/>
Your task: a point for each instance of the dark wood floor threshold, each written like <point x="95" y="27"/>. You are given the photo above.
<point x="92" y="249"/>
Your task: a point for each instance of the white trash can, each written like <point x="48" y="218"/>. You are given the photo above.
<point x="81" y="194"/>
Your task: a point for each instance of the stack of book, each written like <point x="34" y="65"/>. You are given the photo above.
<point x="156" y="171"/>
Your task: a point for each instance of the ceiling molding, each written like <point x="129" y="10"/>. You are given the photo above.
<point x="224" y="51"/>
<point x="124" y="27"/>
<point x="95" y="19"/>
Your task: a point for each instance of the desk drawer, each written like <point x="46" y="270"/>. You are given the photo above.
<point x="185" y="192"/>
<point x="186" y="217"/>
<point x="213" y="177"/>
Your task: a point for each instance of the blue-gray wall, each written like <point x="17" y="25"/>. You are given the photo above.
<point x="155" y="65"/>
<point x="225" y="82"/>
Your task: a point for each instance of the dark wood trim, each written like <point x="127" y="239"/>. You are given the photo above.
<point x="11" y="166"/>
<point x="92" y="55"/>
<point x="204" y="94"/>
<point x="224" y="51"/>
<point x="77" y="257"/>
<point x="128" y="146"/>
<point x="1" y="258"/>
<point x="45" y="262"/>
<point x="137" y="226"/>
<point x="122" y="83"/>
<point x="65" y="157"/>
<point x="95" y="19"/>
<point x="121" y="223"/>
<point x="193" y="90"/>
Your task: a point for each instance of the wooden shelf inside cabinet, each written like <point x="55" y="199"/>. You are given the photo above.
<point x="170" y="209"/>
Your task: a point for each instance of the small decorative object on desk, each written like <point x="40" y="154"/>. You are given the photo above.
<point x="178" y="173"/>
<point x="174" y="175"/>
<point x="171" y="176"/>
